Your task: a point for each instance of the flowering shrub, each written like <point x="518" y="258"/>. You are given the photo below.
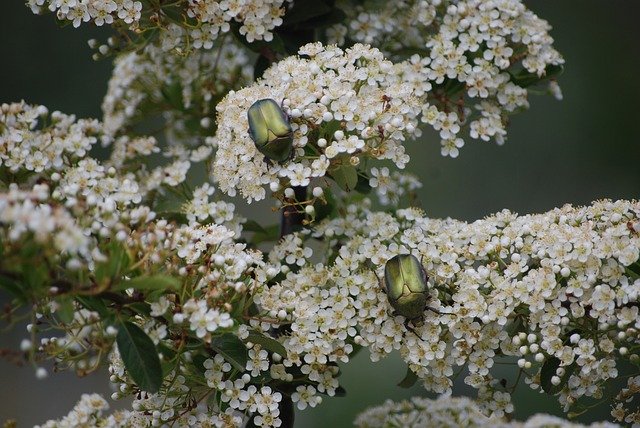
<point x="451" y="412"/>
<point x="138" y="261"/>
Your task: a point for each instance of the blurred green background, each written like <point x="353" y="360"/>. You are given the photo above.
<point x="583" y="148"/>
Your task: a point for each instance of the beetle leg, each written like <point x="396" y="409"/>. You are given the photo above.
<point x="410" y="328"/>
<point x="434" y="310"/>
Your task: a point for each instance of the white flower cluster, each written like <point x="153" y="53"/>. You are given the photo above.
<point x="86" y="413"/>
<point x="185" y="88"/>
<point x="255" y="19"/>
<point x="99" y="12"/>
<point x="472" y="58"/>
<point x="35" y="141"/>
<point x="202" y="210"/>
<point x="24" y="212"/>
<point x="390" y="187"/>
<point x="345" y="106"/>
<point x="55" y="148"/>
<point x="505" y="286"/>
<point x="626" y="395"/>
<point x="452" y="412"/>
<point x="83" y="342"/>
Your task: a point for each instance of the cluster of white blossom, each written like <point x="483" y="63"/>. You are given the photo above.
<point x="99" y="12"/>
<point x="82" y="196"/>
<point x="452" y="412"/>
<point x="86" y="413"/>
<point x="345" y="106"/>
<point x="183" y="89"/>
<point x="256" y="19"/>
<point x="472" y="58"/>
<point x="392" y="186"/>
<point x="85" y="338"/>
<point x="31" y="139"/>
<point x="622" y="400"/>
<point x="30" y="212"/>
<point x="503" y="286"/>
<point x="202" y="210"/>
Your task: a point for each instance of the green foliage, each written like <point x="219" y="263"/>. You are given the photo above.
<point x="140" y="356"/>
<point x="345" y="176"/>
<point x="159" y="282"/>
<point x="232" y="349"/>
<point x="409" y="379"/>
<point x="267" y="343"/>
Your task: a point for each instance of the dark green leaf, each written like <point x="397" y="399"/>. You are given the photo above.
<point x="336" y="16"/>
<point x="287" y="412"/>
<point x="363" y="185"/>
<point x="198" y="363"/>
<point x="153" y="282"/>
<point x="525" y="78"/>
<point x="178" y="217"/>
<point x="13" y="287"/>
<point x="547" y="371"/>
<point x="253" y="226"/>
<point x="409" y="379"/>
<point x="304" y="10"/>
<point x="140" y="357"/>
<point x="340" y="392"/>
<point x="261" y="65"/>
<point x="232" y="349"/>
<point x="117" y="262"/>
<point x="172" y="94"/>
<point x="324" y="210"/>
<point x="95" y="304"/>
<point x="274" y="46"/>
<point x="267" y="343"/>
<point x="272" y="233"/>
<point x="66" y="309"/>
<point x="346" y="176"/>
<point x="141" y="308"/>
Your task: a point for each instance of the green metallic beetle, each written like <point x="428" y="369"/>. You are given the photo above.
<point x="270" y="130"/>
<point x="406" y="286"/>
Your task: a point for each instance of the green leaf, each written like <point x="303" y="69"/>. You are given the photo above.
<point x="304" y="10"/>
<point x="409" y="379"/>
<point x="140" y="357"/>
<point x="525" y="78"/>
<point x="259" y="46"/>
<point x="178" y="217"/>
<point x="173" y="95"/>
<point x="152" y="282"/>
<point x="324" y="210"/>
<point x="346" y="176"/>
<point x="66" y="309"/>
<point x="232" y="349"/>
<point x="142" y="308"/>
<point x="267" y="343"/>
<point x="336" y="16"/>
<point x="117" y="262"/>
<point x="13" y="287"/>
<point x="287" y="412"/>
<point x="253" y="226"/>
<point x="363" y="185"/>
<point x="271" y="233"/>
<point x="198" y="363"/>
<point x="340" y="392"/>
<point x="261" y="65"/>
<point x="95" y="304"/>
<point x="548" y="370"/>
